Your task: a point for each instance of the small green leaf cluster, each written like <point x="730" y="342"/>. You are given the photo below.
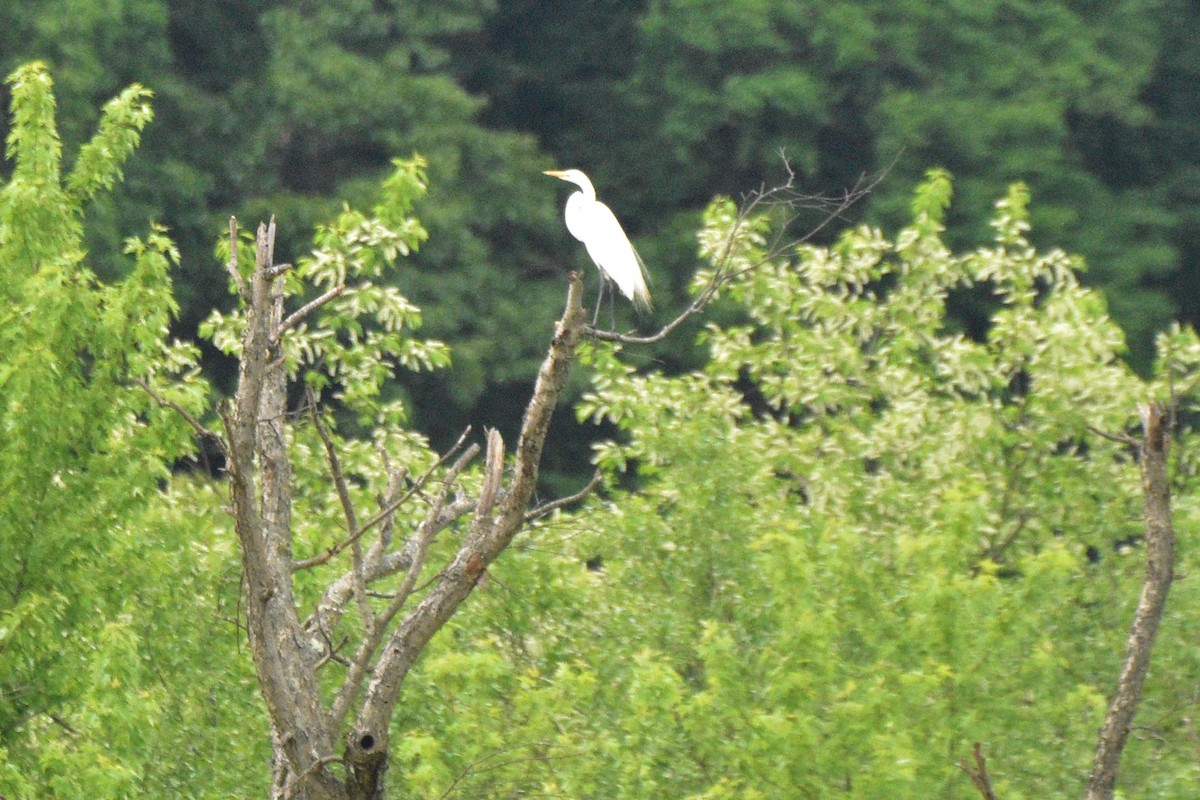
<point x="352" y="343"/>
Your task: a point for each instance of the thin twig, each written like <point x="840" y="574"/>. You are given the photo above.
<point x="1119" y="438"/>
<point x="339" y="481"/>
<point x="300" y="314"/>
<point x="779" y="196"/>
<point x="187" y="417"/>
<point x="360" y="663"/>
<point x="475" y="767"/>
<point x="335" y="464"/>
<point x="548" y="508"/>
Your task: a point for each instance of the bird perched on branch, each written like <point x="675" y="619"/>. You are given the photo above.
<point x="594" y="224"/>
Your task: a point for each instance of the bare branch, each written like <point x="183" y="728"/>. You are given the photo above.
<point x="699" y="304"/>
<point x="279" y="269"/>
<point x="270" y="259"/>
<point x="200" y="430"/>
<point x="339" y="481"/>
<point x="360" y="663"/>
<point x="1119" y="438"/>
<point x="302" y="313"/>
<point x="369" y="737"/>
<point x="782" y="196"/>
<point x="260" y="489"/>
<point x="335" y="464"/>
<point x="491" y="480"/>
<point x="546" y="509"/>
<point x="378" y="565"/>
<point x="395" y="482"/>
<point x="1160" y="566"/>
<point x="383" y="514"/>
<point x="231" y="266"/>
<point x="978" y="773"/>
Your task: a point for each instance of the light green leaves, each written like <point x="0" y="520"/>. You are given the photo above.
<point x="82" y="451"/>
<point x="352" y="342"/>
<point x="32" y="142"/>
<point x="858" y="540"/>
<point x="98" y="165"/>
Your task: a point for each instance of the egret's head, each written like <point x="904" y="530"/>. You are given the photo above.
<point x="574" y="176"/>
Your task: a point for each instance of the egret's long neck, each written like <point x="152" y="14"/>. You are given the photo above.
<point x="584" y="185"/>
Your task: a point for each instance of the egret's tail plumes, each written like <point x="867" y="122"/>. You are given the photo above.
<point x="640" y="292"/>
<point x="594" y="224"/>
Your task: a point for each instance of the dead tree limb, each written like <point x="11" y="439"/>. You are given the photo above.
<point x="546" y="509"/>
<point x="490" y="532"/>
<point x="1160" y="564"/>
<point x="288" y="650"/>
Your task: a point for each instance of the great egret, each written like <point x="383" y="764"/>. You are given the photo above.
<point x="594" y="224"/>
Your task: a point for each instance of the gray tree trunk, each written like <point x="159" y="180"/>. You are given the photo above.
<point x="339" y="750"/>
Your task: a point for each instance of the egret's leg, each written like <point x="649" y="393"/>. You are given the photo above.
<point x="612" y="305"/>
<point x="599" y="299"/>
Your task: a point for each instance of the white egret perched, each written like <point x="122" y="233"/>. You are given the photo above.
<point x="594" y="224"/>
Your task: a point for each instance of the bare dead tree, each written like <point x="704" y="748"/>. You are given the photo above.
<point x="288" y="651"/>
<point x="1160" y="566"/>
<point x="337" y="748"/>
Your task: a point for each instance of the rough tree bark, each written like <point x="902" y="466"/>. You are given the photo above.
<point x="1160" y="565"/>
<point x="309" y="737"/>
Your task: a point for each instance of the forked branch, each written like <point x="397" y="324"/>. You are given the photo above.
<point x="426" y="531"/>
<point x="978" y="773"/>
<point x="385" y="513"/>
<point x="489" y="535"/>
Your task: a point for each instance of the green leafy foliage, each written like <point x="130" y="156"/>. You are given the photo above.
<point x="359" y="329"/>
<point x="857" y="539"/>
<point x="861" y="541"/>
<point x="294" y="108"/>
<point x="82" y="450"/>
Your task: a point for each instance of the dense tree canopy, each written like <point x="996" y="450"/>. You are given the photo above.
<point x="81" y="455"/>
<point x="1078" y="100"/>
<point x="290" y="108"/>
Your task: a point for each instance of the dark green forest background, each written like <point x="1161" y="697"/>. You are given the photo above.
<point x="292" y="108"/>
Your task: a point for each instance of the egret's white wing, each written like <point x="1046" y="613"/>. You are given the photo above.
<point x="594" y="224"/>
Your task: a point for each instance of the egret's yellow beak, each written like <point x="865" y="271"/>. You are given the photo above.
<point x="554" y="173"/>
